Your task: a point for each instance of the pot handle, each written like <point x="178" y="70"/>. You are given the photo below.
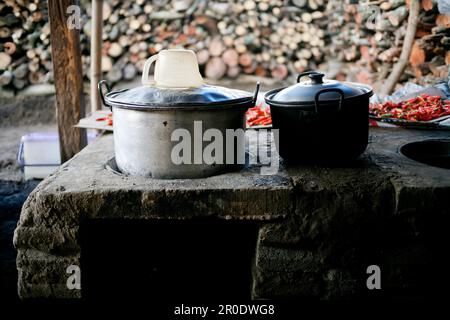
<point x="146" y="70"/>
<point x="301" y="75"/>
<point x="316" y="98"/>
<point x="255" y="95"/>
<point x="100" y="86"/>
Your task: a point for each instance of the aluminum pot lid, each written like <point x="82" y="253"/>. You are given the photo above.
<point x="304" y="92"/>
<point x="155" y="97"/>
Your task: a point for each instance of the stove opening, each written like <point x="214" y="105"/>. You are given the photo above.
<point x="169" y="260"/>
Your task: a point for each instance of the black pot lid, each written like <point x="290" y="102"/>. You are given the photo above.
<point x="152" y="97"/>
<point x="304" y="92"/>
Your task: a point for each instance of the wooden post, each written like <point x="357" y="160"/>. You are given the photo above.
<point x="96" y="52"/>
<point x="66" y="56"/>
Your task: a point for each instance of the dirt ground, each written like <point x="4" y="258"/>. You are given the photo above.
<point x="18" y="116"/>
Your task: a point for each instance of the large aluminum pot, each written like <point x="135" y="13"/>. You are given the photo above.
<point x="146" y="119"/>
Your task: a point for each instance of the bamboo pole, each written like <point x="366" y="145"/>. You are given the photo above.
<point x="96" y="52"/>
<point x="399" y="67"/>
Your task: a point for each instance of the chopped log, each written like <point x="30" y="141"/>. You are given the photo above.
<point x="33" y="66"/>
<point x="216" y="47"/>
<point x="264" y="6"/>
<point x="106" y="64"/>
<point x="134" y="58"/>
<point x="390" y="54"/>
<point x="5" y="60"/>
<point x="9" y="48"/>
<point x="249" y="5"/>
<point x="440" y="71"/>
<point x="427" y="5"/>
<point x="245" y="59"/>
<point x="181" y="5"/>
<point x="215" y="68"/>
<point x="391" y="4"/>
<point x="19" y="83"/>
<point x="315" y="4"/>
<point x="21" y="71"/>
<point x="9" y="20"/>
<point x="114" y="75"/>
<point x="134" y="24"/>
<point x="148" y="8"/>
<point x="299" y="3"/>
<point x="36" y="77"/>
<point x="443" y="20"/>
<point x="445" y="41"/>
<point x="146" y="27"/>
<point x="5" y="32"/>
<point x="106" y="10"/>
<point x="233" y="72"/>
<point x="202" y="56"/>
<point x="241" y="48"/>
<point x="280" y="72"/>
<point x="140" y="65"/>
<point x="6" y="78"/>
<point x="113" y="18"/>
<point x="230" y="57"/>
<point x="134" y="49"/>
<point x="31" y="54"/>
<point x="249" y="69"/>
<point x="260" y="71"/>
<point x="129" y="72"/>
<point x="240" y="30"/>
<point x="417" y="56"/>
<point x="306" y="17"/>
<point x="115" y="50"/>
<point x="32" y="7"/>
<point x="67" y="70"/>
<point x="397" y="16"/>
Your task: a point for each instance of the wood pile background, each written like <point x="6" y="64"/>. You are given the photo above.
<point x="354" y="40"/>
<point x="367" y="39"/>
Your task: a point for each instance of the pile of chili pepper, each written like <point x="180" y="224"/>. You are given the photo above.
<point x="421" y="108"/>
<point x="258" y="116"/>
<point x="108" y="119"/>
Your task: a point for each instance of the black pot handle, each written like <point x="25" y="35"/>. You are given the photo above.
<point x="316" y="98"/>
<point x="301" y="75"/>
<point x="101" y="84"/>
<point x="255" y="95"/>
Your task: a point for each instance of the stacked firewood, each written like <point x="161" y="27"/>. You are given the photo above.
<point x="271" y="38"/>
<point x="361" y="40"/>
<point x="431" y="51"/>
<point x="24" y="43"/>
<point x="367" y="38"/>
<point x="268" y="38"/>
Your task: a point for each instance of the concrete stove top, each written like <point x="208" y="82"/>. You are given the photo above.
<point x="297" y="204"/>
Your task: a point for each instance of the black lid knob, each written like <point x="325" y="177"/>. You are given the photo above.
<point x="316" y="78"/>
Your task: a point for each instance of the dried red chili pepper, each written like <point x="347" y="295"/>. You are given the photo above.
<point x="258" y="116"/>
<point x="421" y="108"/>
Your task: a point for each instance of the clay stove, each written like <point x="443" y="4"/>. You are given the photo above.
<point x="312" y="231"/>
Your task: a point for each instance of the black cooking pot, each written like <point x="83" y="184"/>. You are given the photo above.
<point x="320" y="120"/>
